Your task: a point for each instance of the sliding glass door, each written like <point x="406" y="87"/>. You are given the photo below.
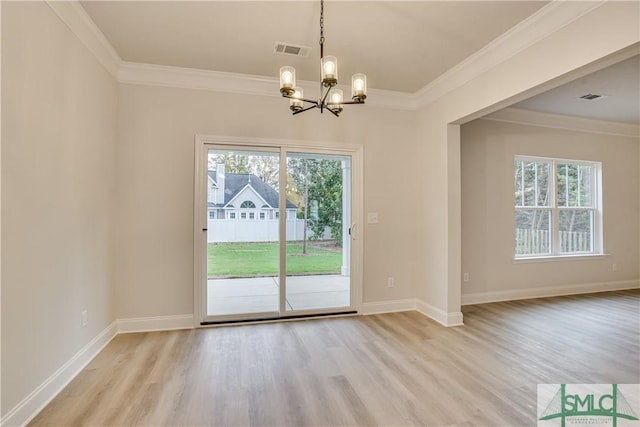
<point x="318" y="250"/>
<point x="242" y="233"/>
<point x="277" y="232"/>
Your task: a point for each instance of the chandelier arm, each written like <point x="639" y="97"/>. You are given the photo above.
<point x="349" y="102"/>
<point x="333" y="112"/>
<point x="311" y="101"/>
<point x="305" y="109"/>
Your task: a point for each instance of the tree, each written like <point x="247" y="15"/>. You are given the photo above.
<point x="266" y="167"/>
<point x="318" y="182"/>
<point x="327" y="190"/>
<point x="233" y="163"/>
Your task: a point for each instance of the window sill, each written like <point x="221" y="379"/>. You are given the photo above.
<point x="574" y="257"/>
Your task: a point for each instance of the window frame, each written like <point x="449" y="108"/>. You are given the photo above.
<point x="554" y="223"/>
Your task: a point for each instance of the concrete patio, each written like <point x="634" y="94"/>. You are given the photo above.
<point x="260" y="294"/>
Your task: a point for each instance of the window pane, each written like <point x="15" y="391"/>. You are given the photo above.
<point x="518" y="184"/>
<point x="532" y="232"/>
<point x="531" y="183"/>
<point x="586" y="199"/>
<point x="574" y="185"/>
<point x="576" y="230"/>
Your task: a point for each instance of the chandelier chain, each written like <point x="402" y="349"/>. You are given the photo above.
<point x="321" y="23"/>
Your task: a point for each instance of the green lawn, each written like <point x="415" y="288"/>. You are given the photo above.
<point x="261" y="259"/>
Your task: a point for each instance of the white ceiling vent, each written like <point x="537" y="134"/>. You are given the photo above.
<point x="291" y="49"/>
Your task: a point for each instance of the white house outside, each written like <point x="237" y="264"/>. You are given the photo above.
<point x="243" y="208"/>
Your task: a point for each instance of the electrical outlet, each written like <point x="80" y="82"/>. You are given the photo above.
<point x="85" y="318"/>
<point x="614" y="267"/>
<point x="465" y="277"/>
<point x="390" y="282"/>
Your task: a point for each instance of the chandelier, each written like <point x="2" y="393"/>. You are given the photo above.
<point x="331" y="98"/>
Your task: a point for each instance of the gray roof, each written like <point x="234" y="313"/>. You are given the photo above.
<point x="235" y="182"/>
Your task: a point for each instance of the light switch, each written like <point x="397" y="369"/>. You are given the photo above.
<point x="372" y="217"/>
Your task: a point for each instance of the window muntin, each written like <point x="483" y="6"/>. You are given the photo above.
<point x="556" y="207"/>
<point x="248" y="204"/>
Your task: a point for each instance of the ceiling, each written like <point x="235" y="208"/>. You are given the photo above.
<point x="400" y="45"/>
<point x="619" y="83"/>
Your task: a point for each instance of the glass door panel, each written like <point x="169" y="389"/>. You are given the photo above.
<point x="318" y="216"/>
<point x="243" y="244"/>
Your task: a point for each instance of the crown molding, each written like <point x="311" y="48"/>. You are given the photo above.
<point x="547" y="20"/>
<point x="190" y="78"/>
<point x="217" y="81"/>
<point x="557" y="121"/>
<point x="80" y="23"/>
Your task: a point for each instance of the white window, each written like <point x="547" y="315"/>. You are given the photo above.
<point x="232" y="215"/>
<point x="252" y="215"/>
<point x="212" y="215"/>
<point x="243" y="215"/>
<point x="262" y="215"/>
<point x="557" y="207"/>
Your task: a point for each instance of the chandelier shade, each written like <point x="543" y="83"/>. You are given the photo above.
<point x="295" y="102"/>
<point x="335" y="101"/>
<point x="329" y="70"/>
<point x="359" y="86"/>
<point x="287" y="79"/>
<point x="331" y="98"/>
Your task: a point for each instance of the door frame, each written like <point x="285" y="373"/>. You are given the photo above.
<point x="200" y="218"/>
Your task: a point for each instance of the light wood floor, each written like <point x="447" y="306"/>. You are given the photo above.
<point x="391" y="369"/>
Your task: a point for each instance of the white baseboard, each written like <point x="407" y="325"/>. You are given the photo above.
<point x="440" y="316"/>
<point x="31" y="405"/>
<point x="550" y="291"/>
<point x="159" y="323"/>
<point x="410" y="304"/>
<point x="388" y="306"/>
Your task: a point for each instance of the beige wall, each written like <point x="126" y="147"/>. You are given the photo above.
<point x="155" y="186"/>
<point x="488" y="150"/>
<point x="58" y="193"/>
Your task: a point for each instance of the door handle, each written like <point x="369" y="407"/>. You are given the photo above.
<point x="352" y="231"/>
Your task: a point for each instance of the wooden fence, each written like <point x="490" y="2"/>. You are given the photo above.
<point x="531" y="242"/>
